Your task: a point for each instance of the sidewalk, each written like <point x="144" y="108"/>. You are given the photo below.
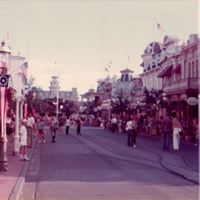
<point x="188" y="151"/>
<point x="184" y="162"/>
<point x="11" y="182"/>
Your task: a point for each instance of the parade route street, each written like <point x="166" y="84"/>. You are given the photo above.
<point x="98" y="165"/>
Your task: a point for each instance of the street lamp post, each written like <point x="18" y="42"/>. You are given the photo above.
<point x="57" y="97"/>
<point x="4" y="78"/>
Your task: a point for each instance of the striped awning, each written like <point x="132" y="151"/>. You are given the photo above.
<point x="166" y="72"/>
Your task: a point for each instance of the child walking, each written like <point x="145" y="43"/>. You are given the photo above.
<point x="23" y="141"/>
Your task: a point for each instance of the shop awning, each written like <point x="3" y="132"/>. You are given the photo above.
<point x="142" y="64"/>
<point x="166" y="72"/>
<point x="177" y="69"/>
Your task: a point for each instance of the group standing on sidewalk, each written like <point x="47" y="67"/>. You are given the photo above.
<point x="169" y="127"/>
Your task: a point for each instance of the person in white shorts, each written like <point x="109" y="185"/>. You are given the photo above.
<point x="23" y="140"/>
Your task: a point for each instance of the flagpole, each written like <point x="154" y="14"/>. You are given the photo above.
<point x="129" y="60"/>
<point x="156" y="30"/>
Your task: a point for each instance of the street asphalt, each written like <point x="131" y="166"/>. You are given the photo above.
<point x="98" y="165"/>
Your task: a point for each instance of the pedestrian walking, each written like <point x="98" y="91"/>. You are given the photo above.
<point x="23" y="141"/>
<point x="68" y="123"/>
<point x="53" y="128"/>
<point x="61" y="123"/>
<point x="166" y="127"/>
<point x="177" y="128"/>
<point x="31" y="132"/>
<point x="131" y="126"/>
<point x="113" y="124"/>
<point x="30" y="123"/>
<point x="120" y="125"/>
<point x="41" y="131"/>
<point x="129" y="129"/>
<point x="78" y="123"/>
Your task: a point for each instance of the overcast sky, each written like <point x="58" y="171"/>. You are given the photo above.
<point x="83" y="36"/>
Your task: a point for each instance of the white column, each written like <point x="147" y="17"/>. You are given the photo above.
<point x="16" y="136"/>
<point x="57" y="96"/>
<point x="21" y="110"/>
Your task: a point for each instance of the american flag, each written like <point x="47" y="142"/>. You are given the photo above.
<point x="4" y="107"/>
<point x="106" y="69"/>
<point x="159" y="27"/>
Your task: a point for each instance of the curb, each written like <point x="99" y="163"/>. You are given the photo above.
<point x="16" y="191"/>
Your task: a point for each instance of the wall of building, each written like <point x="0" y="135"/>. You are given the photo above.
<point x="18" y="74"/>
<point x="153" y="55"/>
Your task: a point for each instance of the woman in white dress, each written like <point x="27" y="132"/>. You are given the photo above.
<point x="23" y="140"/>
<point x="176" y="125"/>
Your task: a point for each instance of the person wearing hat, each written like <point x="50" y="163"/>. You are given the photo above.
<point x="23" y="140"/>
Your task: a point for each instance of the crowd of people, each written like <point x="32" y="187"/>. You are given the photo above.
<point x="35" y="126"/>
<point x="168" y="126"/>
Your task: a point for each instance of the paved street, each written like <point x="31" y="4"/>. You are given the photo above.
<point x="99" y="166"/>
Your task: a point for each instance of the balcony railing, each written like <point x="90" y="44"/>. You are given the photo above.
<point x="180" y="85"/>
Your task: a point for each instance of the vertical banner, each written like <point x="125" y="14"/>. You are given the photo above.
<point x="25" y="110"/>
<point x="3" y="109"/>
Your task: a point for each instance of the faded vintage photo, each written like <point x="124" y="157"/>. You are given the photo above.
<point x="99" y="99"/>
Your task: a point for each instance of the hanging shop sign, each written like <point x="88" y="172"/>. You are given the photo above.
<point x="192" y="101"/>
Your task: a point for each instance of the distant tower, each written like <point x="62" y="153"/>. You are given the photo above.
<point x="74" y="94"/>
<point x="123" y="86"/>
<point x="54" y="86"/>
<point x="126" y="75"/>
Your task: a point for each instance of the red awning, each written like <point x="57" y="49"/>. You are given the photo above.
<point x="166" y="72"/>
<point x="142" y="64"/>
<point x="177" y="69"/>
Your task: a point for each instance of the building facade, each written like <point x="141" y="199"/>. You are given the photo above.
<point x="180" y="75"/>
<point x="153" y="55"/>
<point x="54" y="90"/>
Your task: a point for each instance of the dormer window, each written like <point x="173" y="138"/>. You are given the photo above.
<point x="126" y="78"/>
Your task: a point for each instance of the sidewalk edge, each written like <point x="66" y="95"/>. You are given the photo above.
<point x="16" y="191"/>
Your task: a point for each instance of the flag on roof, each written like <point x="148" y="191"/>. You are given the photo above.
<point x="159" y="27"/>
<point x="106" y="69"/>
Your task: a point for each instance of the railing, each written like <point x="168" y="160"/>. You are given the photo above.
<point x="183" y="84"/>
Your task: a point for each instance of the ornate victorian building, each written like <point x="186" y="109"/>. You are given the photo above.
<point x="180" y="75"/>
<point x="54" y="89"/>
<point x="153" y="55"/>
